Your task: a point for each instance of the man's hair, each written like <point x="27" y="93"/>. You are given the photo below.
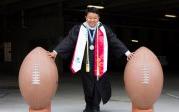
<point x="93" y="10"/>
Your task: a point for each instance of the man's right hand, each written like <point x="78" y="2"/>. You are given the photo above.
<point x="52" y="54"/>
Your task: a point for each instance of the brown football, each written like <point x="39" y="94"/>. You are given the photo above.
<point x="38" y="78"/>
<point x="143" y="78"/>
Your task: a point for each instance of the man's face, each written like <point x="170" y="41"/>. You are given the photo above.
<point x="92" y="19"/>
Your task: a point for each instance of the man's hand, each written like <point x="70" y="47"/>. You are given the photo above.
<point x="52" y="54"/>
<point x="130" y="56"/>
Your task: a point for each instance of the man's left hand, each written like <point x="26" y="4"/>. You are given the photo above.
<point x="129" y="57"/>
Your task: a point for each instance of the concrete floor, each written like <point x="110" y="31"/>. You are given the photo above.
<point x="69" y="97"/>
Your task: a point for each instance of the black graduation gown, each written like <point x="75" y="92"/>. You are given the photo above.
<point x="66" y="48"/>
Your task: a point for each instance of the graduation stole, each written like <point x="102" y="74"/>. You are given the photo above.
<point x="100" y="50"/>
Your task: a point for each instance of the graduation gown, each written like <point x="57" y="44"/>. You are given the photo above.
<point x="66" y="48"/>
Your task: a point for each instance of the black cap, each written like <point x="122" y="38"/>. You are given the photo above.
<point x="92" y="9"/>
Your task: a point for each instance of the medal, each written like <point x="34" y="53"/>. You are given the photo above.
<point x="91" y="47"/>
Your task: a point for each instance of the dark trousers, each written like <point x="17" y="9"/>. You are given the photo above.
<point x="95" y="90"/>
<point x="93" y="101"/>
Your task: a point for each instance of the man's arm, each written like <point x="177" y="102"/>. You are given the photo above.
<point x="116" y="46"/>
<point x="66" y="47"/>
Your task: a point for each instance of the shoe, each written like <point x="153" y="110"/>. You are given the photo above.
<point x="88" y="109"/>
<point x="96" y="110"/>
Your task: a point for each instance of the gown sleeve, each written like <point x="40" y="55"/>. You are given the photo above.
<point x="116" y="46"/>
<point x="66" y="47"/>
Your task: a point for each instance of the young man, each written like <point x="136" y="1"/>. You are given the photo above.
<point x="89" y="43"/>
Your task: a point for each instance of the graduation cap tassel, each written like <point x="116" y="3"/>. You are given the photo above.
<point x="87" y="58"/>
